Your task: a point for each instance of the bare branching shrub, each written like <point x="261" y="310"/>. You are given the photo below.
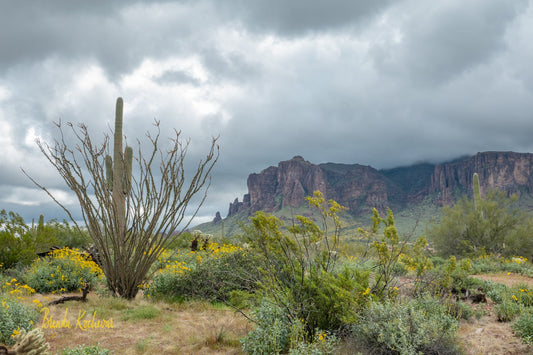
<point x="131" y="217"/>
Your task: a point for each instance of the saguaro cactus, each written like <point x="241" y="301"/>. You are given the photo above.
<point x="477" y="192"/>
<point x="118" y="170"/>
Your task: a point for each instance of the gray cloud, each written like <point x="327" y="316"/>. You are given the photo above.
<point x="382" y="83"/>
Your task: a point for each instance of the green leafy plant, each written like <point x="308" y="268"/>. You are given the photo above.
<point x="86" y="350"/>
<point x="15" y="316"/>
<point x="419" y="326"/>
<point x="489" y="225"/>
<point x="393" y="251"/>
<point x="523" y="327"/>
<point x="298" y="264"/>
<point x="211" y="275"/>
<point x="272" y="332"/>
<point x="65" y="270"/>
<point x="507" y="310"/>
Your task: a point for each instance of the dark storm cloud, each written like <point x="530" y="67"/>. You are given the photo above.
<point x="444" y="41"/>
<point x="382" y="83"/>
<point x="299" y="17"/>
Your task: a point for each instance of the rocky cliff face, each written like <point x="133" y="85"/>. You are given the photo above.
<point x="509" y="171"/>
<point x="361" y="188"/>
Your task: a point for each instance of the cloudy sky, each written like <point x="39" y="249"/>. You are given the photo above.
<point x="380" y="83"/>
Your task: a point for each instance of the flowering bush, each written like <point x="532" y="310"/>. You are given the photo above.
<point x="65" y="270"/>
<point x="210" y="274"/>
<point x="14" y="315"/>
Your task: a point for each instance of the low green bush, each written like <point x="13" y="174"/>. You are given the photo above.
<point x="507" y="310"/>
<point x="419" y="326"/>
<point x="497" y="292"/>
<point x="492" y="264"/>
<point x="272" y="333"/>
<point x="209" y="278"/>
<point x="523" y="327"/>
<point x="65" y="270"/>
<point x="86" y="350"/>
<point x="322" y="344"/>
<point x="15" y="316"/>
<point x="276" y="333"/>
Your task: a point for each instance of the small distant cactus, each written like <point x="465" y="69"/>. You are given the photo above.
<point x="30" y="343"/>
<point x="477" y="191"/>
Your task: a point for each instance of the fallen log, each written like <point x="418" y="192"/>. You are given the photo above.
<point x="82" y="298"/>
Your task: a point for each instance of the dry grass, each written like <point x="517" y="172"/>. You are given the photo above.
<point x="488" y="336"/>
<point x="141" y="327"/>
<point x="509" y="279"/>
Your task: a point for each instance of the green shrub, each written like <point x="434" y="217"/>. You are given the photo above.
<point x="484" y="264"/>
<point x="272" y="333"/>
<point x="419" y="326"/>
<point x="15" y="316"/>
<point x="507" y="310"/>
<point x="300" y="268"/>
<point x="460" y="310"/>
<point x="210" y="278"/>
<point x="497" y="292"/>
<point x="496" y="224"/>
<point x="86" y="350"/>
<point x="17" y="245"/>
<point x="65" y="270"/>
<point x="523" y="327"/>
<point x="322" y="344"/>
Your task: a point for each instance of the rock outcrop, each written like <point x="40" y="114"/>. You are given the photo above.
<point x="509" y="171"/>
<point x="361" y="188"/>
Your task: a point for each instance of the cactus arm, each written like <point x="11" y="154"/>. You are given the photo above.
<point x="127" y="167"/>
<point x="109" y="172"/>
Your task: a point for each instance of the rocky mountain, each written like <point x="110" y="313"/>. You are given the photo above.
<point x="361" y="188"/>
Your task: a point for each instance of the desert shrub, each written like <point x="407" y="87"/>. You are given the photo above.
<point x="522" y="295"/>
<point x="19" y="242"/>
<point x="15" y="316"/>
<point x="484" y="263"/>
<point x="300" y="269"/>
<point x="16" y="243"/>
<point x="64" y="270"/>
<point x="507" y="310"/>
<point x="272" y="332"/>
<point x="276" y="333"/>
<point x="86" y="350"/>
<point x="459" y="310"/>
<point x="322" y="344"/>
<point x="207" y="275"/>
<point x="497" y="292"/>
<point x="242" y="299"/>
<point x="495" y="225"/>
<point x="523" y="327"/>
<point x="418" y="326"/>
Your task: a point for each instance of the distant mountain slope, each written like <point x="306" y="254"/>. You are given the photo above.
<point x="361" y="188"/>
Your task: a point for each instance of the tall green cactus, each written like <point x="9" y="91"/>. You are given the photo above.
<point x="477" y="192"/>
<point x="118" y="170"/>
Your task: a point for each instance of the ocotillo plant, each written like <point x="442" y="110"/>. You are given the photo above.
<point x="118" y="171"/>
<point x="131" y="220"/>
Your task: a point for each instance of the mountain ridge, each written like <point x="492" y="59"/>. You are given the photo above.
<point x="362" y="187"/>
